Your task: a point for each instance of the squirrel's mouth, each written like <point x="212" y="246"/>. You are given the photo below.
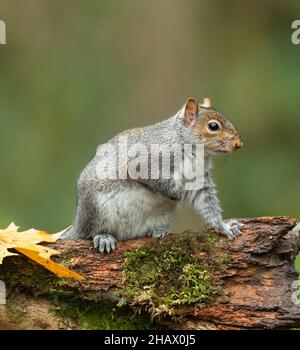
<point x="231" y="147"/>
<point x="213" y="151"/>
<point x="224" y="148"/>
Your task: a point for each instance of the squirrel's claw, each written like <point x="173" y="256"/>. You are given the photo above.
<point x="159" y="233"/>
<point x="104" y="243"/>
<point x="231" y="229"/>
<point x="235" y="223"/>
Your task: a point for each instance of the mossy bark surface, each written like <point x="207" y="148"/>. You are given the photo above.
<point x="185" y="281"/>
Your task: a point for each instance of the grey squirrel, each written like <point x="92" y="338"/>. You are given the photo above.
<point x="112" y="210"/>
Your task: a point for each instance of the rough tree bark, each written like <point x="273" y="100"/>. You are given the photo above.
<point x="256" y="286"/>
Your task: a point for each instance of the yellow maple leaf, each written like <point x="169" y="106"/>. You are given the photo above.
<point x="26" y="242"/>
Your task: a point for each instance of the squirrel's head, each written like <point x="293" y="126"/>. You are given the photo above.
<point x="211" y="127"/>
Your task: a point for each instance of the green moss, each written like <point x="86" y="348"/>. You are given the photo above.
<point x="21" y="273"/>
<point x="83" y="310"/>
<point x="208" y="240"/>
<point x="164" y="275"/>
<point x="103" y="315"/>
<point x="160" y="278"/>
<point x="66" y="259"/>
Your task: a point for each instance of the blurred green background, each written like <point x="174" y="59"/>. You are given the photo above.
<point x="75" y="73"/>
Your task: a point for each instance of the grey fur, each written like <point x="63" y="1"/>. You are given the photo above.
<point x="114" y="210"/>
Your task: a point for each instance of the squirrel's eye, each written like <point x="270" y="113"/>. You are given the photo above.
<point x="213" y="126"/>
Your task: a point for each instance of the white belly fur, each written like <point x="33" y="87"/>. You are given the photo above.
<point x="134" y="212"/>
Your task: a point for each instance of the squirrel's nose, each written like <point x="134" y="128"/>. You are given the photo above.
<point x="238" y="144"/>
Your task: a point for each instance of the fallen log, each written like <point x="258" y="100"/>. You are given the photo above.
<point x="245" y="283"/>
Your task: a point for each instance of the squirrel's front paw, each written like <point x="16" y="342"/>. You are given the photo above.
<point x="104" y="243"/>
<point x="159" y="233"/>
<point x="231" y="229"/>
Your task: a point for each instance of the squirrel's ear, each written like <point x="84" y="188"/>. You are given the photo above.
<point x="190" y="111"/>
<point x="206" y="103"/>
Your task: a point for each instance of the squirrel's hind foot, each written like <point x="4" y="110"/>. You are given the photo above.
<point x="104" y="242"/>
<point x="231" y="229"/>
<point x="159" y="233"/>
